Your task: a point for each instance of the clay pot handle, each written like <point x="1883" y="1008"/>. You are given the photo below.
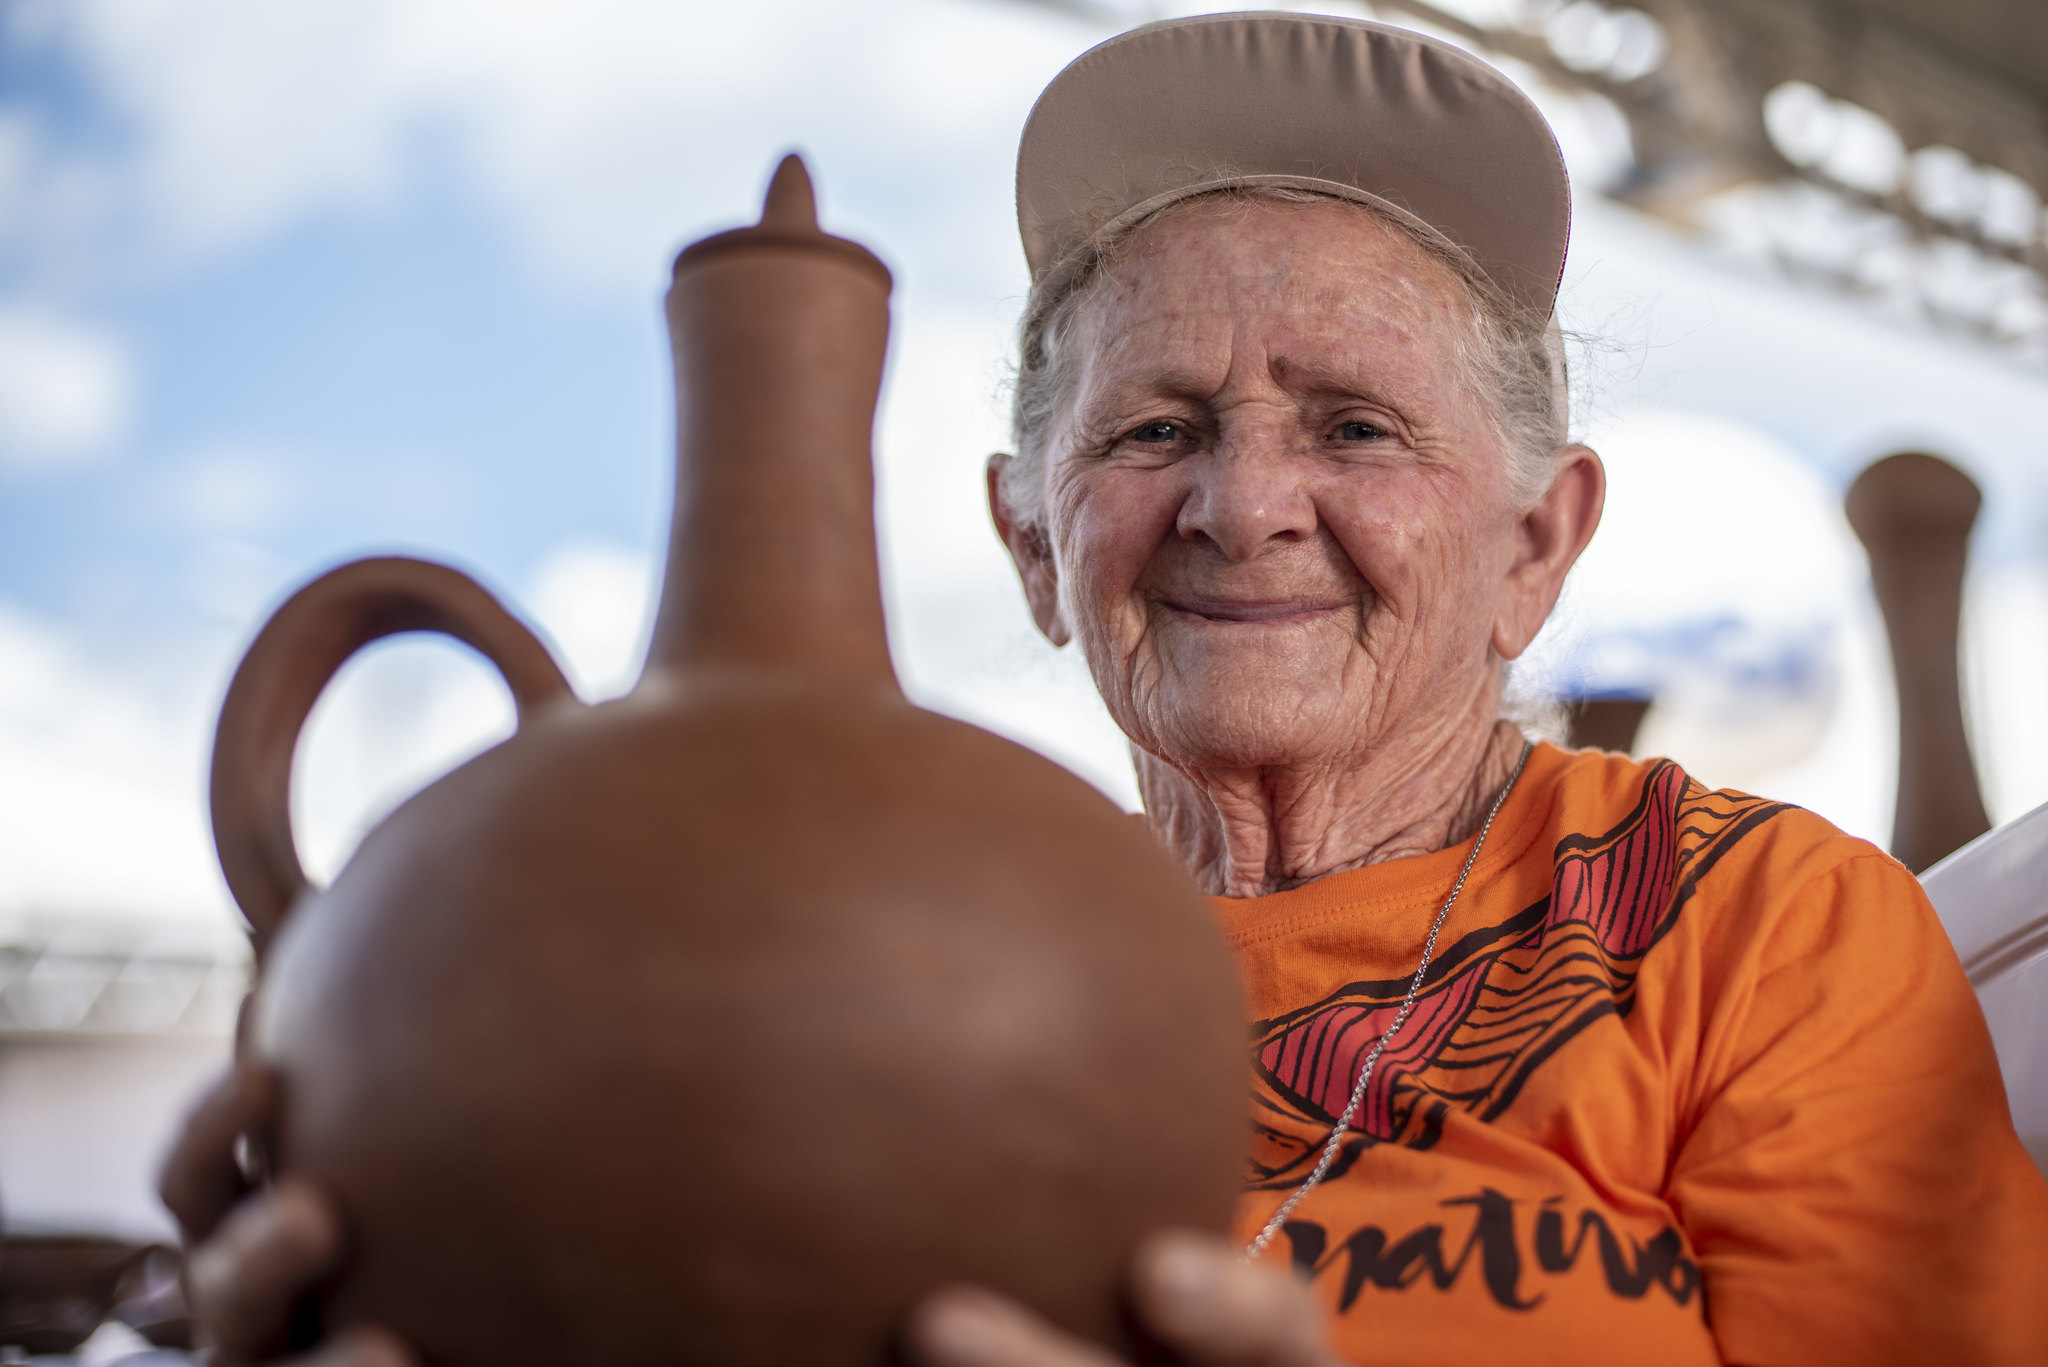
<point x="288" y="666"/>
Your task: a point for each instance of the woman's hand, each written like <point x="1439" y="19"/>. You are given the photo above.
<point x="254" y="1257"/>
<point x="1189" y="1290"/>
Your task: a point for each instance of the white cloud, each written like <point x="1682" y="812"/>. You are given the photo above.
<point x="242" y="114"/>
<point x="101" y="790"/>
<point x="962" y="639"/>
<point x="64" y="390"/>
<point x="233" y="581"/>
<point x="610" y="129"/>
<point x="233" y="489"/>
<point x="17" y="150"/>
<point x="594" y="602"/>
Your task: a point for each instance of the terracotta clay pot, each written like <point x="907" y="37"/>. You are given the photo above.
<point x="718" y="1023"/>
<point x="56" y="1289"/>
<point x="1913" y="512"/>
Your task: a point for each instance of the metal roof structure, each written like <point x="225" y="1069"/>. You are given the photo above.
<point x="80" y="975"/>
<point x="1893" y="150"/>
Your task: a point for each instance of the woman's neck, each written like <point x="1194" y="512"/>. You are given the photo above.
<point x="1248" y="832"/>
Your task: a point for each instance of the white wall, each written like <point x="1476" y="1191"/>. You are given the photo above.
<point x="84" y="1122"/>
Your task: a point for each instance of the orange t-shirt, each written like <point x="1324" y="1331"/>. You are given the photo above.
<point x="1693" y="1078"/>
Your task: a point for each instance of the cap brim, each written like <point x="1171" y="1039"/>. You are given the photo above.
<point x="1349" y="108"/>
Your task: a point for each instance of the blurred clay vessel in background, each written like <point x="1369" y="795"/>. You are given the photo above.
<point x="718" y="1023"/>
<point x="1913" y="513"/>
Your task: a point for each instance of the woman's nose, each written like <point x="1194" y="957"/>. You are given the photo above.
<point x="1245" y="495"/>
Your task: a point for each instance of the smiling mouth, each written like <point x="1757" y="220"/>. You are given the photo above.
<point x="1261" y="612"/>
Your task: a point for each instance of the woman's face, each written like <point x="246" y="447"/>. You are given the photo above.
<point x="1275" y="518"/>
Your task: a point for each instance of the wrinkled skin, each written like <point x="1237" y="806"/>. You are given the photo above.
<point x="1280" y="530"/>
<point x="1279" y="524"/>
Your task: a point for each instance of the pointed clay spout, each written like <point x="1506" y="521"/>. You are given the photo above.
<point x="1913" y="513"/>
<point x="778" y="332"/>
<point x="790" y="205"/>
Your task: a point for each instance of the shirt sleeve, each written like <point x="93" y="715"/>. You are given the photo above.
<point x="1850" y="1181"/>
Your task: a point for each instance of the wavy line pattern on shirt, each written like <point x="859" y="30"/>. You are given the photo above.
<point x="1504" y="999"/>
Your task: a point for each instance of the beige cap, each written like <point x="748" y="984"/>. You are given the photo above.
<point x="1358" y="110"/>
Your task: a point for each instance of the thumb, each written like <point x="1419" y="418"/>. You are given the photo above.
<point x="1197" y="1295"/>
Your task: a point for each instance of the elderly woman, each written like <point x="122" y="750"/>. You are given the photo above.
<point x="1558" y="1057"/>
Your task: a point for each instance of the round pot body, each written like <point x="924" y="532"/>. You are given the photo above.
<point x="718" y="1024"/>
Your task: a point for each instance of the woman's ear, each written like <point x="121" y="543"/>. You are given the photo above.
<point x="1548" y="541"/>
<point x="1030" y="552"/>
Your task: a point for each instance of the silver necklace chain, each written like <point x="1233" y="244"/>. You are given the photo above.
<point x="1335" y="1143"/>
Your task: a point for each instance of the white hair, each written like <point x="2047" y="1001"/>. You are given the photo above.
<point x="1511" y="359"/>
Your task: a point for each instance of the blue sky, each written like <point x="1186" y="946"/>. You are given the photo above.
<point x="284" y="284"/>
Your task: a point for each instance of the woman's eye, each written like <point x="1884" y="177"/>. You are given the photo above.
<point x="1359" y="431"/>
<point x="1156" y="432"/>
